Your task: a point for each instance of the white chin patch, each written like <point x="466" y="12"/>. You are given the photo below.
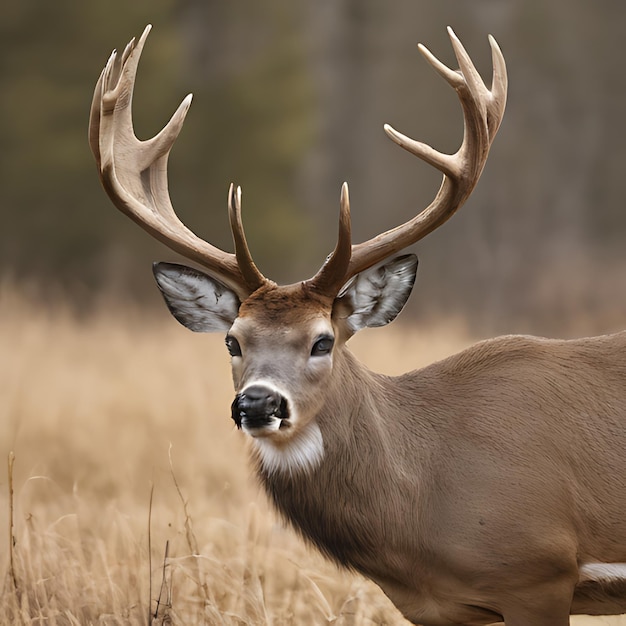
<point x="303" y="452"/>
<point x="602" y="572"/>
<point x="262" y="431"/>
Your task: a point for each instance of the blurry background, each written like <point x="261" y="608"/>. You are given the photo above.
<point x="289" y="101"/>
<point x="103" y="397"/>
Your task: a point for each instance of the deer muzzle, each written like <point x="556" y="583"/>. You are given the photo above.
<point x="258" y="406"/>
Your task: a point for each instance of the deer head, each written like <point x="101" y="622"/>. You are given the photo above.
<point x="283" y="340"/>
<point x="487" y="487"/>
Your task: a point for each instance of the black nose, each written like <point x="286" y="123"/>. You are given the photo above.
<point x="257" y="405"/>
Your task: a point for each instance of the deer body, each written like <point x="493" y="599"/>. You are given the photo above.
<point x="441" y="465"/>
<point x="488" y="487"/>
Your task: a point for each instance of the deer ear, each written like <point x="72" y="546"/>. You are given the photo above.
<point x="376" y="296"/>
<point x="198" y="301"/>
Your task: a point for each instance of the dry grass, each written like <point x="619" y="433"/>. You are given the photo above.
<point x="132" y="497"/>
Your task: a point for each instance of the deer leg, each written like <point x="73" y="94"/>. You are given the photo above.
<point x="545" y="607"/>
<point x="532" y="619"/>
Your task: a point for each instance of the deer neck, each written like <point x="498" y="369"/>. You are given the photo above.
<point x="348" y="423"/>
<point x="345" y="502"/>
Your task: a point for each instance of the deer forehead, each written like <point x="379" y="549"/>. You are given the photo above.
<point x="286" y="307"/>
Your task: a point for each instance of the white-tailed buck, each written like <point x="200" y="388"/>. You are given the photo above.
<point x="488" y="487"/>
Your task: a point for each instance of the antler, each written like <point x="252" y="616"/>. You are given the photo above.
<point x="483" y="110"/>
<point x="134" y="174"/>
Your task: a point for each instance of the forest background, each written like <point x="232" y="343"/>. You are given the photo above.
<point x="117" y="417"/>
<point x="289" y="101"/>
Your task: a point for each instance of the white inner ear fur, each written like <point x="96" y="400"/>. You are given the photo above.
<point x="196" y="300"/>
<point x="376" y="296"/>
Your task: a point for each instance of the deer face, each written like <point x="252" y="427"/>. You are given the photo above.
<point x="281" y="345"/>
<point x="283" y="339"/>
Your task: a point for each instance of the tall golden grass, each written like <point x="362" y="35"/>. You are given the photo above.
<point x="129" y="498"/>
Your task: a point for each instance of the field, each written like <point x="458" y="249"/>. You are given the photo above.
<point x="129" y="493"/>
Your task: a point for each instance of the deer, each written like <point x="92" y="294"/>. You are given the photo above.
<point x="488" y="487"/>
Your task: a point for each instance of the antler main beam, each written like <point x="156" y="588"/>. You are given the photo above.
<point x="483" y="110"/>
<point x="134" y="174"/>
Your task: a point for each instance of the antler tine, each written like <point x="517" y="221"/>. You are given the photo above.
<point x="499" y="86"/>
<point x="134" y="172"/>
<point x="482" y="112"/>
<point x="253" y="277"/>
<point x="331" y="276"/>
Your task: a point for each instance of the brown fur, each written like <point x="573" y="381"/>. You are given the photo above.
<point x="477" y="485"/>
<point x="287" y="305"/>
<point x="471" y="490"/>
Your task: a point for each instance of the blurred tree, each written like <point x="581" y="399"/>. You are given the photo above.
<point x="251" y="124"/>
<point x="289" y="102"/>
<point x="51" y="54"/>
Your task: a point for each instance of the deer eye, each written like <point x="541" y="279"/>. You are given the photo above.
<point x="322" y="346"/>
<point x="232" y="345"/>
